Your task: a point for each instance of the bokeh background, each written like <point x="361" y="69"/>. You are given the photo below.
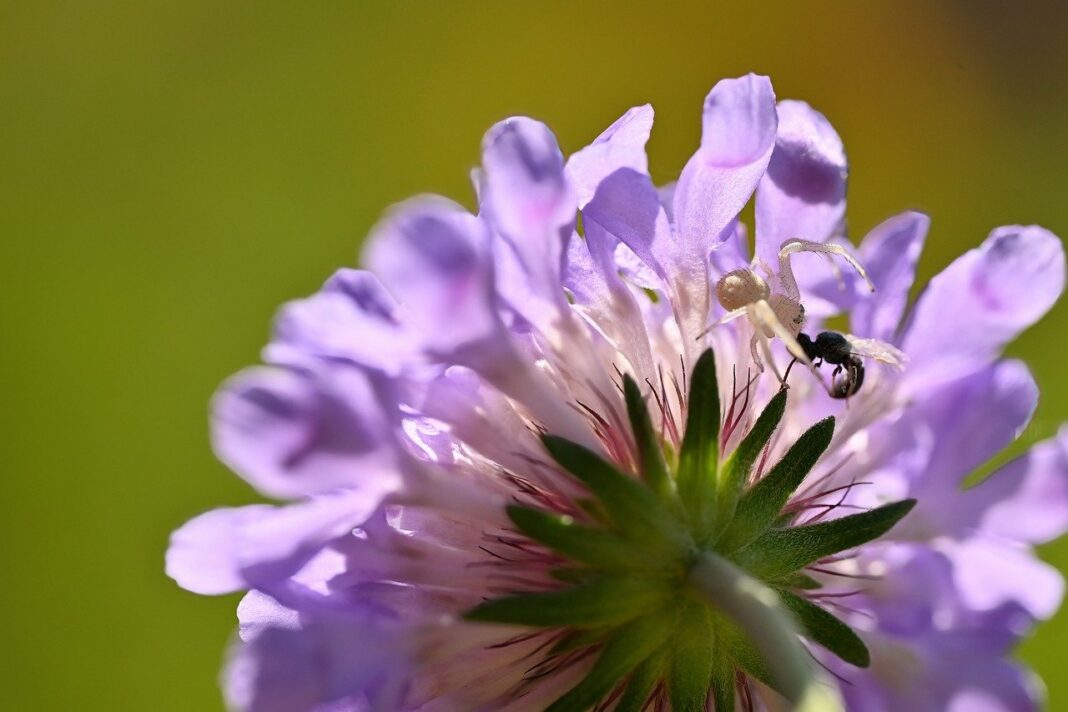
<point x="170" y="172"/>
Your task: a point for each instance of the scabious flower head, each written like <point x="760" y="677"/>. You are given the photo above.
<point x="550" y="455"/>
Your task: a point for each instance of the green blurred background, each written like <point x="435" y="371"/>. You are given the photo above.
<point x="170" y="172"/>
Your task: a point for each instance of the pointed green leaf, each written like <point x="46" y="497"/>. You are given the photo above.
<point x="631" y="505"/>
<point x="723" y="679"/>
<point x="642" y="682"/>
<point x="782" y="551"/>
<point x="690" y="674"/>
<point x="825" y="629"/>
<point x="699" y="455"/>
<point x="649" y="450"/>
<point x="736" y="469"/>
<point x="562" y="534"/>
<point x="622" y="653"/>
<point x="579" y="639"/>
<point x="605" y="601"/>
<point x="761" y="503"/>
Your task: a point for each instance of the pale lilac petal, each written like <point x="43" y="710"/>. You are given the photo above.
<point x="989" y="573"/>
<point x="351" y="318"/>
<point x="621" y="145"/>
<point x="996" y="686"/>
<point x="982" y="301"/>
<point x="666" y="193"/>
<point x="889" y="253"/>
<point x="290" y="433"/>
<point x="732" y="254"/>
<point x="737" y="138"/>
<point x="529" y="201"/>
<point x="435" y="256"/>
<point x="626" y="206"/>
<point x="257" y="612"/>
<point x="593" y="278"/>
<point x="802" y="195"/>
<point x="482" y="418"/>
<point x="1026" y="500"/>
<point x="339" y="660"/>
<point x="635" y="270"/>
<point x="227" y="550"/>
<point x="975" y="417"/>
<point x="201" y="556"/>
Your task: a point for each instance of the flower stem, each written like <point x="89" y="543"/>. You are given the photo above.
<point x="757" y="610"/>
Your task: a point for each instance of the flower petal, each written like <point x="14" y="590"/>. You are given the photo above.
<point x="434" y="256"/>
<point x="802" y="195"/>
<point x="290" y="433"/>
<point x="737" y="138"/>
<point x="352" y="318"/>
<point x="322" y="662"/>
<point x="257" y="612"/>
<point x="621" y="145"/>
<point x="889" y="253"/>
<point x="982" y="301"/>
<point x="231" y="549"/>
<point x="974" y="418"/>
<point x="1024" y="501"/>
<point x="989" y="573"/>
<point x="627" y="206"/>
<point x="529" y="202"/>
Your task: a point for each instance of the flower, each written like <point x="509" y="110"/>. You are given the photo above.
<point x="524" y="472"/>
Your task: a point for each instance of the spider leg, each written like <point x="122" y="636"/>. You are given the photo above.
<point x="794" y="246"/>
<point x="753" y="343"/>
<point x="765" y="346"/>
<point x="760" y="344"/>
<point x="729" y="316"/>
<point x="762" y="315"/>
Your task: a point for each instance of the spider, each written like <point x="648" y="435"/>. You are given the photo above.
<point x="743" y="292"/>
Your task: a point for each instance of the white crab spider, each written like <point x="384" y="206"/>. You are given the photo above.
<point x="743" y="292"/>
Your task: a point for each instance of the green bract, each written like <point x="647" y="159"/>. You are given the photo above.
<point x="632" y="589"/>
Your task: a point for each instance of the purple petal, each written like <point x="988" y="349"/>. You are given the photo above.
<point x="434" y="256"/>
<point x="291" y="434"/>
<point x="528" y="200"/>
<point x="1024" y="501"/>
<point x="958" y="428"/>
<point x="200" y="556"/>
<point x="803" y="192"/>
<point x="339" y="660"/>
<point x="990" y="573"/>
<point x="622" y="145"/>
<point x="627" y="207"/>
<point x="257" y="612"/>
<point x="482" y="417"/>
<point x="738" y="135"/>
<point x="974" y="418"/>
<point x="982" y="301"/>
<point x="996" y="686"/>
<point x="351" y="318"/>
<point x="593" y="277"/>
<point x="889" y="253"/>
<point x="227" y="550"/>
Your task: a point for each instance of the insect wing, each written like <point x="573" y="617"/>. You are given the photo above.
<point x="878" y="350"/>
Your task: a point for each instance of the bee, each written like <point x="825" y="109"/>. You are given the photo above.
<point x="844" y="352"/>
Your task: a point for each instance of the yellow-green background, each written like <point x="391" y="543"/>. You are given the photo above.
<point x="172" y="171"/>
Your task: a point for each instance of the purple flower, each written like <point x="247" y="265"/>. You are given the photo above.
<point x="519" y="478"/>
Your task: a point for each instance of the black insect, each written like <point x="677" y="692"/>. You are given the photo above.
<point x="836" y="349"/>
